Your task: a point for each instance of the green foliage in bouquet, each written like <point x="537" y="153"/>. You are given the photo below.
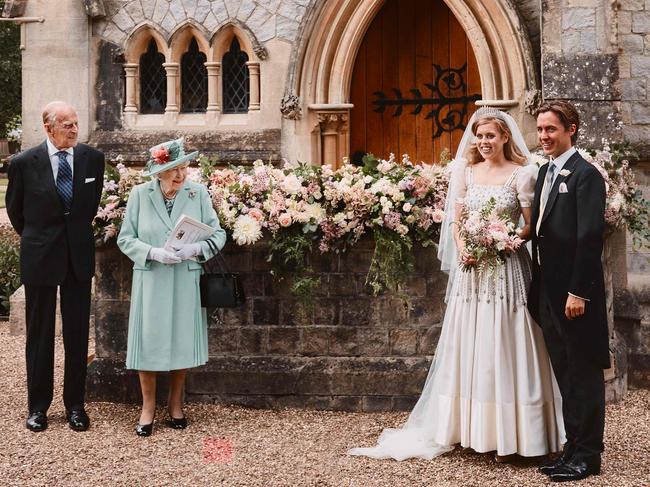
<point x="9" y="266"/>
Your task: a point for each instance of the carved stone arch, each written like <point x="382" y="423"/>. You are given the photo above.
<point x="333" y="32"/>
<point x="320" y="74"/>
<point x="138" y="42"/>
<point x="181" y="37"/>
<point x="223" y="37"/>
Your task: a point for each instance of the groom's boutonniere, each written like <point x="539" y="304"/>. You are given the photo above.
<point x="565" y="172"/>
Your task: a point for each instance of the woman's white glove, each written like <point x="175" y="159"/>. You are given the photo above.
<point x="163" y="256"/>
<point x="187" y="251"/>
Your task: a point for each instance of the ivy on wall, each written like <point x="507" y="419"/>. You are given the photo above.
<point x="10" y="73"/>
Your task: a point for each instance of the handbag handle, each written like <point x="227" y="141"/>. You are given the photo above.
<point x="218" y="256"/>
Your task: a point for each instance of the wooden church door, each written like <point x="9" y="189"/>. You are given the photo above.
<point x="414" y="83"/>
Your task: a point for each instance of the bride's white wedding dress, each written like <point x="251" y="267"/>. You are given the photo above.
<point x="490" y="386"/>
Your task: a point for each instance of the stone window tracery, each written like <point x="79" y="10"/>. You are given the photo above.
<point x="194" y="80"/>
<point x="153" y="81"/>
<point x="236" y="80"/>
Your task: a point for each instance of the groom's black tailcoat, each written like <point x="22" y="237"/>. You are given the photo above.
<point x="56" y="250"/>
<point x="567" y="259"/>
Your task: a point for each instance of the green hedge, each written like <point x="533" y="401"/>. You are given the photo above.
<point x="10" y="72"/>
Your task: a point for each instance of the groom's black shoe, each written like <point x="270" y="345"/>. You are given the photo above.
<point x="37" y="421"/>
<point x="575" y="469"/>
<point x="78" y="419"/>
<point x="550" y="467"/>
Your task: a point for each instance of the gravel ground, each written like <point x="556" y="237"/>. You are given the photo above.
<point x="245" y="447"/>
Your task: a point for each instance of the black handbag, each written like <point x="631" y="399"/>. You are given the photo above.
<point x="223" y="289"/>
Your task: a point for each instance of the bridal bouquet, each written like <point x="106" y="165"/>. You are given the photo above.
<point x="489" y="237"/>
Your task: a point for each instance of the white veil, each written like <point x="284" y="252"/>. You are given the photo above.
<point x="447" y="245"/>
<point x="416" y="437"/>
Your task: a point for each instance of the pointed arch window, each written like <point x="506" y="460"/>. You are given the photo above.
<point x="153" y="81"/>
<point x="194" y="80"/>
<point x="236" y="80"/>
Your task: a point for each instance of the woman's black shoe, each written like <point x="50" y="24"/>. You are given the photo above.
<point x="144" y="429"/>
<point x="177" y="423"/>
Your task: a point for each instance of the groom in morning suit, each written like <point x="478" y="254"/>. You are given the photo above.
<point x="567" y="295"/>
<point x="52" y="197"/>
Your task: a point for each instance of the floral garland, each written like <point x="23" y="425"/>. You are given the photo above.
<point x="302" y="208"/>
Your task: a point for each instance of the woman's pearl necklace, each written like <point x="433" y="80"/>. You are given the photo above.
<point x="168" y="195"/>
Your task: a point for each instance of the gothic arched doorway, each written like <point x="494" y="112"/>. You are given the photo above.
<point x="414" y="83"/>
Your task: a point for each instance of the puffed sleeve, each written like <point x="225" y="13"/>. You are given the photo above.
<point x="525" y="185"/>
<point x="458" y="181"/>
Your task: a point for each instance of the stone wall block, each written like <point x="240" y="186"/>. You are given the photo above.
<point x="390" y="311"/>
<point x="581" y="77"/>
<point x="357" y="312"/>
<point x="632" y="5"/>
<point x="327" y="312"/>
<point x="372" y="404"/>
<point x="232" y="7"/>
<point x="293" y="313"/>
<point x="641" y="22"/>
<point x="641" y="113"/>
<point x="633" y="89"/>
<point x="190" y="8"/>
<point x="284" y="340"/>
<point x="373" y="342"/>
<point x="578" y="18"/>
<point x="123" y="21"/>
<point x="160" y="11"/>
<point x="177" y="11"/>
<point x="134" y="9"/>
<point x="425" y="311"/>
<point x="253" y="341"/>
<point x="429" y="339"/>
<point x="341" y="285"/>
<point x="355" y="261"/>
<point x="266" y="311"/>
<point x="111" y="325"/>
<point x="314" y="341"/>
<point x="202" y="10"/>
<point x="343" y="341"/>
<point x="223" y="340"/>
<point x="239" y="316"/>
<point x="631" y="43"/>
<point x="286" y="28"/>
<point x="416" y="286"/>
<point x="403" y="342"/>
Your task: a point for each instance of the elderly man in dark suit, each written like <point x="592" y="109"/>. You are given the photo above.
<point x="567" y="296"/>
<point x="52" y="196"/>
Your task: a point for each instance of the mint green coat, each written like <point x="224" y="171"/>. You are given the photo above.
<point x="167" y="326"/>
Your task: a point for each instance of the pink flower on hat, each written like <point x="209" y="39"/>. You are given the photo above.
<point x="160" y="155"/>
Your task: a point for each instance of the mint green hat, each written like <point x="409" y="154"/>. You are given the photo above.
<point x="167" y="155"/>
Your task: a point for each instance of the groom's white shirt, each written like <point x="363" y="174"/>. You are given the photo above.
<point x="559" y="163"/>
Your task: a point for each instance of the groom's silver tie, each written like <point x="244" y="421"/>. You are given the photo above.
<point x="548" y="183"/>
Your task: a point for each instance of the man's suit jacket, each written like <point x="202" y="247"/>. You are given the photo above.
<point x="51" y="240"/>
<point x="569" y="246"/>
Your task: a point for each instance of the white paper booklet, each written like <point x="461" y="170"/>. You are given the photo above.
<point x="188" y="230"/>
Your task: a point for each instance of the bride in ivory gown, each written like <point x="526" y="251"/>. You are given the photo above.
<point x="490" y="386"/>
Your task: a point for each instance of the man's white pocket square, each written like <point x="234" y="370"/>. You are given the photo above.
<point x="90" y="180"/>
<point x="563" y="188"/>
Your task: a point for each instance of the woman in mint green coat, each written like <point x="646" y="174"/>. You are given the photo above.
<point x="167" y="326"/>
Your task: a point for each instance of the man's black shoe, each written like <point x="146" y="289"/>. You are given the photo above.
<point x="575" y="469"/>
<point x="564" y="457"/>
<point x="78" y="419"/>
<point x="37" y="421"/>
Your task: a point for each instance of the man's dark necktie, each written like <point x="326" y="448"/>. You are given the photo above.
<point x="64" y="180"/>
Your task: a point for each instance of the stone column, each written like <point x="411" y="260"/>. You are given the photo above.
<point x="130" y="108"/>
<point x="214" y="88"/>
<point x="171" y="111"/>
<point x="332" y="122"/>
<point x="254" y="76"/>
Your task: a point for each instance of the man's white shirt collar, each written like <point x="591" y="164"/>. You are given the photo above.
<point x="561" y="160"/>
<point x="52" y="150"/>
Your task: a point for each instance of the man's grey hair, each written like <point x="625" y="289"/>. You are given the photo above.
<point x="51" y="110"/>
